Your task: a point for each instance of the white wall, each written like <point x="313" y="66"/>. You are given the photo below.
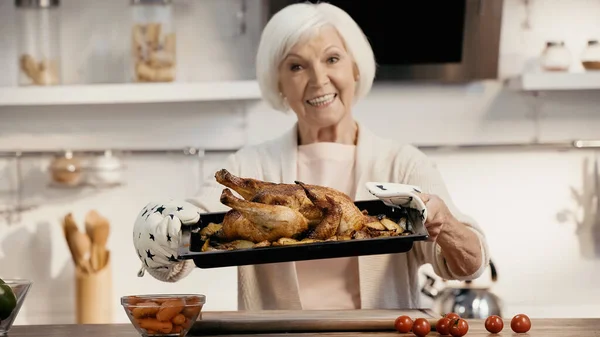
<point x="545" y="269"/>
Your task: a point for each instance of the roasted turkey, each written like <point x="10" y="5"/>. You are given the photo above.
<point x="280" y="213"/>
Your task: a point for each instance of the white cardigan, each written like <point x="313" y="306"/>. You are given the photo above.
<point x="386" y="281"/>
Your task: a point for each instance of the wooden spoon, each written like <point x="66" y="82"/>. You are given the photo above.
<point x="82" y="245"/>
<point x="69" y="227"/>
<point x="99" y="231"/>
<point x="90" y="223"/>
<point x="101" y="237"/>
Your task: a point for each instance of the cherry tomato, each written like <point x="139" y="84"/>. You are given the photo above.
<point x="520" y="323"/>
<point x="403" y="324"/>
<point x="494" y="324"/>
<point x="452" y="315"/>
<point x="458" y="327"/>
<point x="443" y="326"/>
<point x="421" y="327"/>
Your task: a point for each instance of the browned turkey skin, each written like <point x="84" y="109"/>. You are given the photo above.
<point x="275" y="213"/>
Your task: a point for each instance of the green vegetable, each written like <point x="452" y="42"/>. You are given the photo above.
<point x="8" y="301"/>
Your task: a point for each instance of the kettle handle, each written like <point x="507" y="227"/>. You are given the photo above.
<point x="493" y="271"/>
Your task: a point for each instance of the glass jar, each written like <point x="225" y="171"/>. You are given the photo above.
<point x="66" y="170"/>
<point x="153" y="47"/>
<point x="38" y="42"/>
<point x="104" y="171"/>
<point x="590" y="58"/>
<point x="556" y="57"/>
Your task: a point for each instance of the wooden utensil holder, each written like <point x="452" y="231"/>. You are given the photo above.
<point x="93" y="296"/>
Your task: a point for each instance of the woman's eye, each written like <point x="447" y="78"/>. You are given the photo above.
<point x="295" y="67"/>
<point x="333" y="59"/>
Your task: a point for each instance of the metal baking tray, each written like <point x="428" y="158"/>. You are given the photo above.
<point x="191" y="243"/>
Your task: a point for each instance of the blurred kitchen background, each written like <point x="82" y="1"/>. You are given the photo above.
<point x="537" y="204"/>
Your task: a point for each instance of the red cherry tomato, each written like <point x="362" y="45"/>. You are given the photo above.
<point x="403" y="324"/>
<point x="421" y="327"/>
<point x="520" y="323"/>
<point x="452" y="315"/>
<point x="443" y="326"/>
<point x="494" y="324"/>
<point x="458" y="327"/>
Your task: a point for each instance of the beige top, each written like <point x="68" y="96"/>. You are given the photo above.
<point x="329" y="283"/>
<point x="386" y="281"/>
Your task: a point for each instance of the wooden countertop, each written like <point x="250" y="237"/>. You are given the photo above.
<point x="540" y="328"/>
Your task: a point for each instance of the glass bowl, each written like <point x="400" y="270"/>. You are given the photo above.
<point x="163" y="315"/>
<point x="20" y="288"/>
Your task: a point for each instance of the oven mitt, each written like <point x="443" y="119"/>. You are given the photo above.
<point x="393" y="194"/>
<point x="156" y="235"/>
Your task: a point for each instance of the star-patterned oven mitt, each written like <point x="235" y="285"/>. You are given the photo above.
<point x="156" y="237"/>
<point x="394" y="194"/>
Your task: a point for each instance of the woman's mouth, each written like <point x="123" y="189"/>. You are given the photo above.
<point x="322" y="101"/>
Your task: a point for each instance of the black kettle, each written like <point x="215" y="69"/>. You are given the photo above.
<point x="467" y="301"/>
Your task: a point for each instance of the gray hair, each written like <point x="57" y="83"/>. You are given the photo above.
<point x="296" y="21"/>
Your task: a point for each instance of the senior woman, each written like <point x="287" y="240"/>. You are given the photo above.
<point x="316" y="61"/>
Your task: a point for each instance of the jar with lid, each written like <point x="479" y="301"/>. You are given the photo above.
<point x="153" y="44"/>
<point x="66" y="170"/>
<point x="104" y="171"/>
<point x="38" y="42"/>
<point x="556" y="57"/>
<point x="590" y="58"/>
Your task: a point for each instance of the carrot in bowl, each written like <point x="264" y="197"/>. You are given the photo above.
<point x="169" y="309"/>
<point x="156" y="325"/>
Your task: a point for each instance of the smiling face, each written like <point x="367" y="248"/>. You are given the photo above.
<point x="318" y="78"/>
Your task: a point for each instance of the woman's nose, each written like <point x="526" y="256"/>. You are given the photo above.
<point x="319" y="76"/>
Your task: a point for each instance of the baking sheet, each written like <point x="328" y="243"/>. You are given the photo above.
<point x="192" y="243"/>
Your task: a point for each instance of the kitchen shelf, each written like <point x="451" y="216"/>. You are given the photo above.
<point x="557" y="81"/>
<point x="129" y="93"/>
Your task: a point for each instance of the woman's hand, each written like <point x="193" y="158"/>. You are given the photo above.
<point x="438" y="215"/>
<point x="460" y="245"/>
